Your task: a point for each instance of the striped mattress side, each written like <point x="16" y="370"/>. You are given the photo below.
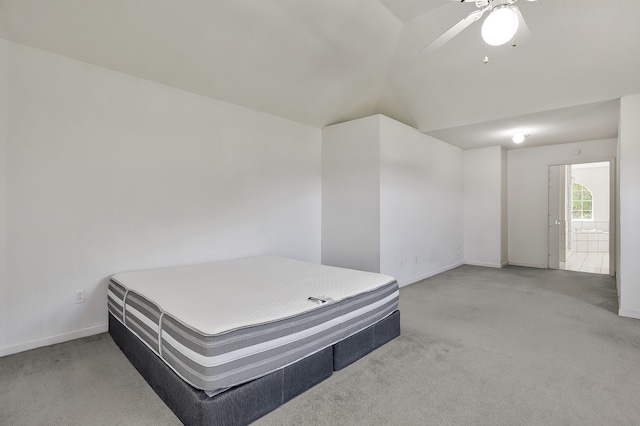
<point x="217" y="362"/>
<point x="220" y="361"/>
<point x="143" y="318"/>
<point x="115" y="300"/>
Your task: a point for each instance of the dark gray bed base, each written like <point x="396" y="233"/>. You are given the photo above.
<point x="248" y="402"/>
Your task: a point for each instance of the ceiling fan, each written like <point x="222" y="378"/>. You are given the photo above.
<point x="497" y="29"/>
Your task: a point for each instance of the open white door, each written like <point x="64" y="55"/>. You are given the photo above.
<point x="565" y="214"/>
<point x="557" y="176"/>
<point x="568" y="208"/>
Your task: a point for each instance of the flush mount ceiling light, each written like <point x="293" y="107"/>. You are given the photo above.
<point x="500" y="26"/>
<point x="519" y="137"/>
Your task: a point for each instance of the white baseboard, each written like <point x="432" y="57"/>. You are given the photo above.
<point x="526" y="264"/>
<point x="629" y="313"/>
<point x="430" y="274"/>
<point x="505" y="264"/>
<point x="52" y="340"/>
<point x="486" y="265"/>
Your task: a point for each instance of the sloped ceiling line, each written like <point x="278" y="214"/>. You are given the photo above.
<point x="321" y="62"/>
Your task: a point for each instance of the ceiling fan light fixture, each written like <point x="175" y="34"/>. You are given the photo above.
<point x="500" y="26"/>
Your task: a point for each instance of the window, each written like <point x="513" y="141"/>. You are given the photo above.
<point x="582" y="202"/>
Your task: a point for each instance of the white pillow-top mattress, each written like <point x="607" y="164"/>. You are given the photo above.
<point x="221" y="324"/>
<point x="217" y="297"/>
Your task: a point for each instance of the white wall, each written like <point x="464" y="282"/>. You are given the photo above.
<point x="616" y="214"/>
<point x="528" y="204"/>
<point x="504" y="210"/>
<point x="629" y="229"/>
<point x="597" y="180"/>
<point x="351" y="194"/>
<point x="392" y="199"/>
<point x="4" y="282"/>
<point x="483" y="180"/>
<point x="421" y="203"/>
<point x="108" y="173"/>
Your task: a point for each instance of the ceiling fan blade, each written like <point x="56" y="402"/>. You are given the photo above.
<point x="479" y="3"/>
<point x="453" y="31"/>
<point x="523" y="35"/>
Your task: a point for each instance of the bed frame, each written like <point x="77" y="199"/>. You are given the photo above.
<point x="248" y="402"/>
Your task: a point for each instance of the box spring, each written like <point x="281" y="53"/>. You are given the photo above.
<point x="248" y="402"/>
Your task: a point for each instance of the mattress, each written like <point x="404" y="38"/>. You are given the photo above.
<point x="221" y="324"/>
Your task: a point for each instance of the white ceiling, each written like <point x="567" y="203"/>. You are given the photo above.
<point x="322" y="62"/>
<point x="572" y="124"/>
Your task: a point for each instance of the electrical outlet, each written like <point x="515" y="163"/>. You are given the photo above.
<point x="79" y="296"/>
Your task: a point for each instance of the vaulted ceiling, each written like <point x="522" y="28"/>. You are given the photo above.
<point x="322" y="62"/>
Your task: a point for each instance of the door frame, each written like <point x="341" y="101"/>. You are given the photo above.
<point x="613" y="212"/>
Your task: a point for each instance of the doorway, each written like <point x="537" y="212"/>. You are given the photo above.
<point x="580" y="217"/>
